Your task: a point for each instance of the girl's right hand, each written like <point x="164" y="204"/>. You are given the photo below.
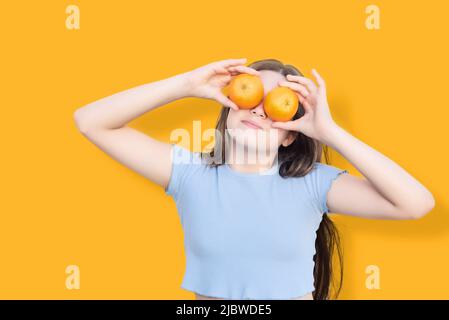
<point x="209" y="80"/>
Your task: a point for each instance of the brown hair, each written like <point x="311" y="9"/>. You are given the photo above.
<point x="296" y="160"/>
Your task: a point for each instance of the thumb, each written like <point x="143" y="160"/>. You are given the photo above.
<point x="221" y="98"/>
<point x="288" y="125"/>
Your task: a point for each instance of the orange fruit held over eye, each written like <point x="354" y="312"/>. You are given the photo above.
<point x="245" y="90"/>
<point x="281" y="104"/>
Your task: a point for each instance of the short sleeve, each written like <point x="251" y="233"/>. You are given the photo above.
<point x="183" y="163"/>
<point x="320" y="180"/>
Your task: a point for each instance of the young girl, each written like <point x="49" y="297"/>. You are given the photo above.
<point x="256" y="229"/>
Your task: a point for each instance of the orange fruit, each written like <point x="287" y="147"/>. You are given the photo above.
<point x="246" y="90"/>
<point x="281" y="104"/>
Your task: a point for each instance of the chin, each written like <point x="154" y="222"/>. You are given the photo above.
<point x="251" y="139"/>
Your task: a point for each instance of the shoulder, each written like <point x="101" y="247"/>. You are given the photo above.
<point x="185" y="165"/>
<point x="323" y="169"/>
<point x="320" y="179"/>
<point x="183" y="156"/>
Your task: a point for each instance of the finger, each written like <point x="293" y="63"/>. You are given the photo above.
<point x="287" y="125"/>
<point x="220" y="70"/>
<point x="307" y="106"/>
<point x="221" y="98"/>
<point x="295" y="86"/>
<point x="319" y="79"/>
<point x="311" y="86"/>
<point x="305" y="81"/>
<point x="232" y="62"/>
<point x="243" y="69"/>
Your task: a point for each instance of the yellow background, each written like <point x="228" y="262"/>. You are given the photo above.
<point x="65" y="202"/>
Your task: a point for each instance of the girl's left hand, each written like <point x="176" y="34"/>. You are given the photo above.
<point x="317" y="120"/>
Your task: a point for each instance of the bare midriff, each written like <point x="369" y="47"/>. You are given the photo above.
<point x="308" y="296"/>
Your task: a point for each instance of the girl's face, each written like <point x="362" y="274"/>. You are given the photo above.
<point x="265" y="136"/>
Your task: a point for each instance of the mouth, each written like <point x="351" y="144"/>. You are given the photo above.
<point x="251" y="124"/>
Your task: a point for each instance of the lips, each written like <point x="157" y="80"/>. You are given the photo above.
<point x="251" y="124"/>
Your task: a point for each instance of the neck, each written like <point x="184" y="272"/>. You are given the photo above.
<point x="249" y="161"/>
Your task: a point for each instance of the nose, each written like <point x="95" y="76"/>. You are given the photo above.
<point x="259" y="111"/>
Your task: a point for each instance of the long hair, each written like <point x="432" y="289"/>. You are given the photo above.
<point x="296" y="160"/>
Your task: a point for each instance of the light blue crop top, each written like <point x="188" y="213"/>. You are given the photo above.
<point x="248" y="235"/>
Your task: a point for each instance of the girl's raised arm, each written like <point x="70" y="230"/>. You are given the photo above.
<point x="103" y="122"/>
